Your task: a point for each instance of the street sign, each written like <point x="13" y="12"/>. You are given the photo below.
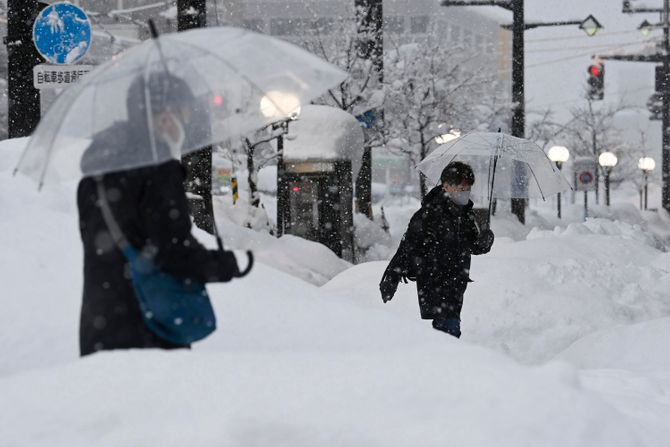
<point x="585" y="174"/>
<point x="62" y="33"/>
<point x="47" y="76"/>
<point x="367" y="119"/>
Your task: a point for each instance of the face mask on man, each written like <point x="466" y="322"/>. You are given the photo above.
<point x="460" y="198"/>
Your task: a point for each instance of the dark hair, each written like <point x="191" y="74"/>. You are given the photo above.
<point x="456" y="173"/>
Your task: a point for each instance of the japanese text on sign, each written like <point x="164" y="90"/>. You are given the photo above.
<point x="51" y="76"/>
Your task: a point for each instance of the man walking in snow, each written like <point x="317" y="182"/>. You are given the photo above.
<point x="436" y="249"/>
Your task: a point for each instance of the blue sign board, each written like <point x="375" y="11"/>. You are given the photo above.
<point x="62" y="33"/>
<point x="367" y="119"/>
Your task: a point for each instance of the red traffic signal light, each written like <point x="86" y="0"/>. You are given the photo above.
<point x="596" y="81"/>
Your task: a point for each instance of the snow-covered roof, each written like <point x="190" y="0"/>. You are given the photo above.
<point x="324" y="133"/>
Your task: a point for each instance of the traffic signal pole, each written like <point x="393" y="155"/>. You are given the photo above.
<point x="665" y="173"/>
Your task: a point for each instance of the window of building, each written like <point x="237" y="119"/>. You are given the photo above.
<point x="467" y="38"/>
<point x="324" y="25"/>
<point x="455" y="35"/>
<point x="479" y="42"/>
<point x="290" y="26"/>
<point x="394" y="24"/>
<point x="281" y="27"/>
<point x="419" y="25"/>
<point x="257" y="25"/>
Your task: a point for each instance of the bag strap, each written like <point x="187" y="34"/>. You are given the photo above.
<point x="107" y="215"/>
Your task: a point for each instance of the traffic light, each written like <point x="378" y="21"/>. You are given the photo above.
<point x="596" y="81"/>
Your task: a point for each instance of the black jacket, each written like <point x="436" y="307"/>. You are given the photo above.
<point x="151" y="208"/>
<point x="435" y="251"/>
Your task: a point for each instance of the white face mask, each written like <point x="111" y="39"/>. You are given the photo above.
<point x="460" y="198"/>
<point x="173" y="134"/>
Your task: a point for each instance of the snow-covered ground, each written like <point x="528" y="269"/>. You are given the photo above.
<point x="565" y="334"/>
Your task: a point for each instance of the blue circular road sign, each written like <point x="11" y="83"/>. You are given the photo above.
<point x="62" y="33"/>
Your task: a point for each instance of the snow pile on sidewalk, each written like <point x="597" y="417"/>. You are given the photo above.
<point x="294" y="364"/>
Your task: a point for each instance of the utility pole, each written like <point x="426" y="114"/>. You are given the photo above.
<point x="371" y="47"/>
<point x="23" y="98"/>
<point x="193" y="14"/>
<point x="590" y="25"/>
<point x="518" y="96"/>
<point x="661" y="57"/>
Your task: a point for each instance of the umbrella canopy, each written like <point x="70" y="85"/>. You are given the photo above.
<point x="170" y="96"/>
<point x="505" y="167"/>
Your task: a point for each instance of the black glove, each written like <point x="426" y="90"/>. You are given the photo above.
<point x="485" y="240"/>
<point x="388" y="285"/>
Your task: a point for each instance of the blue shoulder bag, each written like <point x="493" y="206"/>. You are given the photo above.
<point x="176" y="310"/>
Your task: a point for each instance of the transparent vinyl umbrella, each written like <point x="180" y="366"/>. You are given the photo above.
<point x="505" y="167"/>
<point x="214" y="85"/>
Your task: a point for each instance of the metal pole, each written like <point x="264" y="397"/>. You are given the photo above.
<point x="646" y="190"/>
<point x="666" y="108"/>
<point x="586" y="205"/>
<point x="23" y="98"/>
<point x="559" y="165"/>
<point x="193" y="14"/>
<point x="372" y="49"/>
<point x="607" y="186"/>
<point x="518" y="95"/>
<point x="595" y="155"/>
<point x="281" y="187"/>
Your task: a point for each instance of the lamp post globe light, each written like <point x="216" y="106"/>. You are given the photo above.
<point x="447" y="137"/>
<point x="559" y="155"/>
<point x="646" y="164"/>
<point x="645" y="28"/>
<point x="607" y="160"/>
<point x="280" y="105"/>
<point x="590" y="26"/>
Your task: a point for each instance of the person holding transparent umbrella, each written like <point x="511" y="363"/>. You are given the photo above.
<point x="149" y="206"/>
<point x="122" y="129"/>
<point x="436" y="250"/>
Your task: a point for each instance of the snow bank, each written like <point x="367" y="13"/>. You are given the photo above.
<point x="299" y="365"/>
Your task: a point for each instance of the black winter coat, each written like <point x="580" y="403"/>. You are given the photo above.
<point x="151" y="208"/>
<point x="436" y="251"/>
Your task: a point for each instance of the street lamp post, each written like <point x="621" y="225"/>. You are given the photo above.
<point x="607" y="160"/>
<point x="646" y="164"/>
<point x="283" y="107"/>
<point x="559" y="155"/>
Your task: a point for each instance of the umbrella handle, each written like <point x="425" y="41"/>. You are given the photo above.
<point x="493" y="180"/>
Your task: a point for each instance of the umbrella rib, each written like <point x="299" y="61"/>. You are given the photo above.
<point x="536" y="181"/>
<point x="147" y="106"/>
<point x="232" y="67"/>
<point x="46" y="162"/>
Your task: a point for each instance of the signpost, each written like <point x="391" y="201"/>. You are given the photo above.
<point x="62" y="36"/>
<point x="585" y="176"/>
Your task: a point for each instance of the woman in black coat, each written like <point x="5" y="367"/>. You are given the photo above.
<point x="436" y="250"/>
<point x="150" y="206"/>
